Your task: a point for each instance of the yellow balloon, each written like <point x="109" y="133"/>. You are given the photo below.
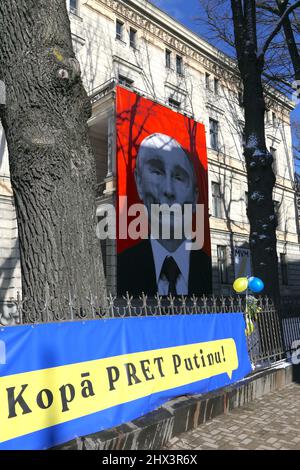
<point x="240" y="284"/>
<point x="249" y="327"/>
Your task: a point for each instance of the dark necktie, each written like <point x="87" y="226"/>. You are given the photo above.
<point x="171" y="271"/>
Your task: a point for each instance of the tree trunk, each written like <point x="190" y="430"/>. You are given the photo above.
<point x="51" y="162"/>
<point x="261" y="179"/>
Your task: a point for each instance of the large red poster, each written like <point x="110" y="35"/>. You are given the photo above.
<point x="161" y="159"/>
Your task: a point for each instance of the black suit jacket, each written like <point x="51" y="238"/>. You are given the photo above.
<point x="136" y="271"/>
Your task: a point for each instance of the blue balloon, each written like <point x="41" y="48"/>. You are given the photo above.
<point x="255" y="284"/>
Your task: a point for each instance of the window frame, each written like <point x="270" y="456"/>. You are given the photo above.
<point x="214" y="133"/>
<point x="217" y="199"/>
<point x="125" y="81"/>
<point x="222" y="264"/>
<point x="174" y="104"/>
<point x="119" y="34"/>
<point x="276" y="205"/>
<point x="168" y="59"/>
<point x="132" y="42"/>
<point x="73" y="9"/>
<point x="207" y="80"/>
<point x="179" y="64"/>
<point x="216" y="86"/>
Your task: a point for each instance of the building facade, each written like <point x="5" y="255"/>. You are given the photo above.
<point x="136" y="45"/>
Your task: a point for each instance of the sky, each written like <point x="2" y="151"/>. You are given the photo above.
<point x="186" y="12"/>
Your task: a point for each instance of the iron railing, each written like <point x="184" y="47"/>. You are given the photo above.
<point x="265" y="343"/>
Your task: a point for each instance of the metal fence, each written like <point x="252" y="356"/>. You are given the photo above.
<point x="265" y="343"/>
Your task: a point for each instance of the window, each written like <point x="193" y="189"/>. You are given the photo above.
<point x="277" y="213"/>
<point x="179" y="65"/>
<point x="174" y="103"/>
<point x="274" y="119"/>
<point x="132" y="38"/>
<point x="207" y="81"/>
<point x="214" y="133"/>
<point x="274" y="155"/>
<point x="73" y="6"/>
<point x="284" y="269"/>
<point x="125" y="81"/>
<point x="222" y="264"/>
<point x="119" y="29"/>
<point x="216" y="86"/>
<point x="168" y="59"/>
<point x="216" y="200"/>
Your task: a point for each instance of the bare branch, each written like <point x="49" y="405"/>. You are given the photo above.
<point x="265" y="6"/>
<point x="290" y="40"/>
<point x="277" y="28"/>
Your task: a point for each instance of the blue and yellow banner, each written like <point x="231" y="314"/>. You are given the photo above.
<point x="63" y="380"/>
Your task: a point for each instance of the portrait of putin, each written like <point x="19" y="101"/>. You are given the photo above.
<point x="164" y="176"/>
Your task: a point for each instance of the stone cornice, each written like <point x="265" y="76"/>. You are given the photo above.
<point x="189" y="45"/>
<point x="214" y="61"/>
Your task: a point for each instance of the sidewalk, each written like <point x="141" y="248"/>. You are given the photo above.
<point x="271" y="422"/>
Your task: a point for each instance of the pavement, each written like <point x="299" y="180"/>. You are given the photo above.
<point x="268" y="423"/>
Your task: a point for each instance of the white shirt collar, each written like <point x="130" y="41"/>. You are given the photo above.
<point x="181" y="256"/>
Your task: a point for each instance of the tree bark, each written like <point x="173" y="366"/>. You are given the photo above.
<point x="51" y="162"/>
<point x="261" y="179"/>
<point x="261" y="182"/>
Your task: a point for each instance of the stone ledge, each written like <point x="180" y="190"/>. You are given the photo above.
<point x="153" y="430"/>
